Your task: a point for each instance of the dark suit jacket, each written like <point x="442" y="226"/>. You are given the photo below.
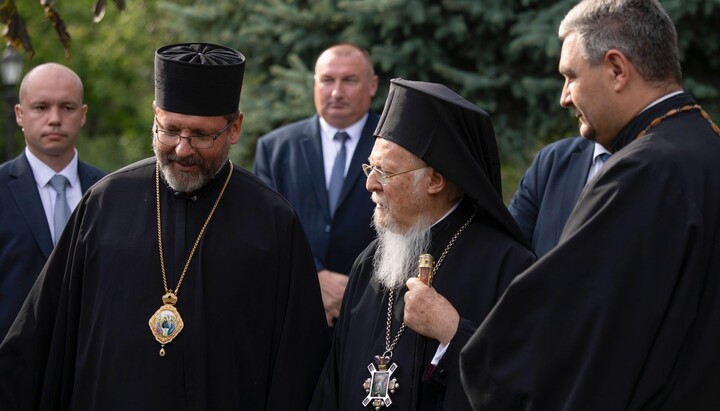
<point x="548" y="191"/>
<point x="25" y="240"/>
<point x="290" y="160"/>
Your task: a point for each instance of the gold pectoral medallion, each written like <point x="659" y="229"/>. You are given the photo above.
<point x="166" y="323"/>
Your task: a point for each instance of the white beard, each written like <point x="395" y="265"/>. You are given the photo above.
<point x="396" y="256"/>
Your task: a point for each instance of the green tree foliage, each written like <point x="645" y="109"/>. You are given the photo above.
<point x="115" y="60"/>
<point x="16" y="32"/>
<point x="500" y="54"/>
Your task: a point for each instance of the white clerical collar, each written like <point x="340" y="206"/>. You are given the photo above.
<point x="661" y="99"/>
<point x="448" y="213"/>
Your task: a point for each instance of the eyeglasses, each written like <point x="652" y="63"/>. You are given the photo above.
<point x="197" y="141"/>
<point x="382" y="176"/>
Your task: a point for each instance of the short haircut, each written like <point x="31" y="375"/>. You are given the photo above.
<point x="640" y="29"/>
<point x="345" y="49"/>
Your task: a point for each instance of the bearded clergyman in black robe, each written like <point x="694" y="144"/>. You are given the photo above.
<point x="434" y="176"/>
<point x="181" y="282"/>
<point x="624" y="314"/>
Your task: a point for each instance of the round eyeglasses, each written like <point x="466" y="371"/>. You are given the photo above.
<point x="382" y="176"/>
<point x="197" y="141"/>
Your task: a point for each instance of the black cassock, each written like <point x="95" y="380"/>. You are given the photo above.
<point x="624" y="314"/>
<point x="473" y="276"/>
<point x="250" y="295"/>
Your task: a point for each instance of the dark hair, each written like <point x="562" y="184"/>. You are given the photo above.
<point x="640" y="29"/>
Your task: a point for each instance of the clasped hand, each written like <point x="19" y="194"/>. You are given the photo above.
<point x="332" y="288"/>
<point x="429" y="313"/>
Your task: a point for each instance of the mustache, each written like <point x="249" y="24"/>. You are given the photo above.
<point x="374" y="198"/>
<point x="186" y="161"/>
<point x="336" y="100"/>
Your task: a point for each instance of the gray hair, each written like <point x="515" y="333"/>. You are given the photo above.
<point x="640" y="29"/>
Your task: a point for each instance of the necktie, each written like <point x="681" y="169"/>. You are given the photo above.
<point x="338" y="172"/>
<point x="597" y="165"/>
<point x="61" y="213"/>
<point x="603" y="157"/>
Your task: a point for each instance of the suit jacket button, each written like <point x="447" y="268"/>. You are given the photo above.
<point x="328" y="228"/>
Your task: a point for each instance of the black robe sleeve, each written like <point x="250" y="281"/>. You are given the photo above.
<point x="475" y="273"/>
<point x="327" y="391"/>
<point x="42" y="331"/>
<point x="303" y="343"/>
<point x="510" y="259"/>
<point x="608" y="319"/>
<point x="254" y="334"/>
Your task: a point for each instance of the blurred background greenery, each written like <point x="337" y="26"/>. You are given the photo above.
<point x="500" y="54"/>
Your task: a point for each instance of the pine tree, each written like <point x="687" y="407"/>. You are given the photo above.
<point x="500" y="54"/>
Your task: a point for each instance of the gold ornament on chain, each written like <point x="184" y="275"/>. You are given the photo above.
<point x="166" y="323"/>
<point x="679" y="110"/>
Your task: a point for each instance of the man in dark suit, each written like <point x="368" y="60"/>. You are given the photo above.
<point x="299" y="161"/>
<point x="548" y="191"/>
<point x="51" y="113"/>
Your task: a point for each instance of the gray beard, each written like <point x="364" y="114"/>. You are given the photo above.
<point x="186" y="183"/>
<point x="396" y="256"/>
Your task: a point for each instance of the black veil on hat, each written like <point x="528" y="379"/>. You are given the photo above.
<point x="453" y="136"/>
<point x="198" y="79"/>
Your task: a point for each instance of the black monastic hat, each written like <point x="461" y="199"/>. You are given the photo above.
<point x="453" y="136"/>
<point x="198" y="79"/>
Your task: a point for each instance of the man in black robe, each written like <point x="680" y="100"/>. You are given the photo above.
<point x="435" y="179"/>
<point x="181" y="282"/>
<point x="623" y="313"/>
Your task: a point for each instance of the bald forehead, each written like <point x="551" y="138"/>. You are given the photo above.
<point x="344" y="51"/>
<point x="50" y="72"/>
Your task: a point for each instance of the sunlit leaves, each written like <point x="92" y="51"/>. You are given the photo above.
<point x="16" y="33"/>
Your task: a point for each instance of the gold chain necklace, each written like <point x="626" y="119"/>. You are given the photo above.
<point x="379" y="386"/>
<point x="678" y="110"/>
<point x="166" y="323"/>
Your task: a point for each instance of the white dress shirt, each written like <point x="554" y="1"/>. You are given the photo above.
<point x="597" y="162"/>
<point x="43" y="174"/>
<point x="330" y="146"/>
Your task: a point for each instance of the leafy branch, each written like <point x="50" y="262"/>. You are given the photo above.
<point x="16" y="33"/>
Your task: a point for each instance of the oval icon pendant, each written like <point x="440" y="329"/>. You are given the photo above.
<point x="165" y="324"/>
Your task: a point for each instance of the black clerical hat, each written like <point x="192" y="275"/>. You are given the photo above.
<point x="453" y="136"/>
<point x="198" y="79"/>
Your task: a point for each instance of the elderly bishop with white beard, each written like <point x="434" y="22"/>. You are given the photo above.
<point x="434" y="175"/>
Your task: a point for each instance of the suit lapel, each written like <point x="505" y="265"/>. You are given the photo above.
<point x="24" y="191"/>
<point x="579" y="166"/>
<point x="311" y="148"/>
<point x="87" y="179"/>
<point x="364" y="146"/>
